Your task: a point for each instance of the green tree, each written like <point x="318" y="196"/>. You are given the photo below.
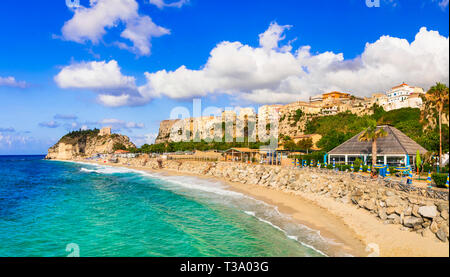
<point x="305" y="144"/>
<point x="418" y="161"/>
<point x="290" y="145"/>
<point x="119" y="146"/>
<point x="438" y="94"/>
<point x="372" y="133"/>
<point x="298" y="115"/>
<point x="332" y="140"/>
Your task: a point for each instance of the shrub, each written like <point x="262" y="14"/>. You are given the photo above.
<point x="356" y="165"/>
<point x="439" y="179"/>
<point x="427" y="167"/>
<point x="343" y="167"/>
<point x="119" y="146"/>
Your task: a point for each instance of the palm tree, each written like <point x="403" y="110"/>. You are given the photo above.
<point x="372" y="133"/>
<point x="438" y="95"/>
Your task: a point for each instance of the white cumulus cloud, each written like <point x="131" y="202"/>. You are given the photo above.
<point x="274" y="73"/>
<point x="163" y="3"/>
<point x="91" y="24"/>
<point x="271" y="74"/>
<point x="11" y="82"/>
<point x="118" y="124"/>
<point x="94" y="75"/>
<point x="105" y="78"/>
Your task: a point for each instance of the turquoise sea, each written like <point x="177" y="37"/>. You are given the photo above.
<point x="51" y="208"/>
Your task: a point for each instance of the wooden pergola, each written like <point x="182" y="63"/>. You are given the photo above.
<point x="241" y="154"/>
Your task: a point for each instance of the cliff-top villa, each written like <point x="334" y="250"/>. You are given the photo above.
<point x="404" y="96"/>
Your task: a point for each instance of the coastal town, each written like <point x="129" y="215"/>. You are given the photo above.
<point x="402" y="186"/>
<point x="226" y="137"/>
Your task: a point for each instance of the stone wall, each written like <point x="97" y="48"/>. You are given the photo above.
<point x="414" y="212"/>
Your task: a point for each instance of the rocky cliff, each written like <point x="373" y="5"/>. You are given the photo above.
<point x="164" y="130"/>
<point x="86" y="143"/>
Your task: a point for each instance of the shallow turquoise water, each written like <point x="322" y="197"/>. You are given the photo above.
<point x="46" y="205"/>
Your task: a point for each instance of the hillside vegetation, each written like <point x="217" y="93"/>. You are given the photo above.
<point x="336" y="129"/>
<point x="75" y="136"/>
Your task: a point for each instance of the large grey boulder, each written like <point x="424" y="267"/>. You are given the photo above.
<point x="393" y="201"/>
<point x="411" y="221"/>
<point x="442" y="235"/>
<point x="382" y="214"/>
<point x="428" y="211"/>
<point x="395" y="219"/>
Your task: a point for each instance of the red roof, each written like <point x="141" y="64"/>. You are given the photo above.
<point x="121" y="152"/>
<point x="399" y="86"/>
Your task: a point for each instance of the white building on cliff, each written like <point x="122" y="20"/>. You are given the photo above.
<point x="403" y="96"/>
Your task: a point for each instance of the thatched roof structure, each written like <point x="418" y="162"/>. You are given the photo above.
<point x="394" y="143"/>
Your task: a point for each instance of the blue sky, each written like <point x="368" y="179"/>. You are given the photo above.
<point x="52" y="78"/>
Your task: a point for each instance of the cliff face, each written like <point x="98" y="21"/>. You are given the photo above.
<point x="164" y="130"/>
<point x="85" y="144"/>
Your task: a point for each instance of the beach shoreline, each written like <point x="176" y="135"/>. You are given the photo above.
<point x="353" y="228"/>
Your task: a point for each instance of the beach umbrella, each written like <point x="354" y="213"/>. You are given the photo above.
<point x="403" y="169"/>
<point x="410" y="178"/>
<point x="311" y="164"/>
<point x="360" y="168"/>
<point x="388" y="173"/>
<point x="351" y="168"/>
<point x="369" y="169"/>
<point x="429" y="179"/>
<point x="298" y="163"/>
<point x="293" y="162"/>
<point x="446" y="184"/>
<point x="318" y="164"/>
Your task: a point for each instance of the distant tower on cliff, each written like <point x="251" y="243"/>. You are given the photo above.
<point x="105" y="132"/>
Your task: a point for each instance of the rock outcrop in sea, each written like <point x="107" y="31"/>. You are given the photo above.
<point x="80" y="144"/>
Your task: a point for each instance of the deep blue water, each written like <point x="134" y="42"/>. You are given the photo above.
<point x="48" y="206"/>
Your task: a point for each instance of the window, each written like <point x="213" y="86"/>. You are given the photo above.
<point x="337" y="159"/>
<point x="396" y="161"/>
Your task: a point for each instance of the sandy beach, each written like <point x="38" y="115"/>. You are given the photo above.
<point x="359" y="231"/>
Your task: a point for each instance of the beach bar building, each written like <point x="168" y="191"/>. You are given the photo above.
<point x="395" y="149"/>
<point x="241" y="154"/>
